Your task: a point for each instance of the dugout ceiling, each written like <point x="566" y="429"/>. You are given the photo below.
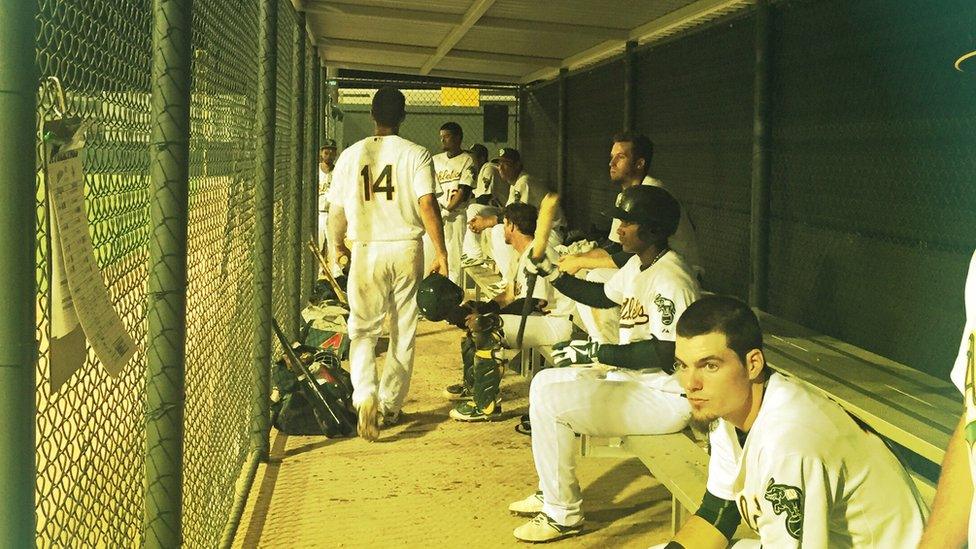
<point x="505" y="41"/>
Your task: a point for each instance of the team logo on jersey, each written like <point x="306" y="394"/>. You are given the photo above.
<point x="666" y="307"/>
<point x="787" y="500"/>
<point x="632" y="313"/>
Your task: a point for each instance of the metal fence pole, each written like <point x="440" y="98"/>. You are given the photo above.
<point x="315" y="110"/>
<point x="561" y="156"/>
<point x="759" y="217"/>
<point x="298" y="176"/>
<point x="18" y="291"/>
<point x="264" y="226"/>
<point x="630" y="85"/>
<point x="166" y="307"/>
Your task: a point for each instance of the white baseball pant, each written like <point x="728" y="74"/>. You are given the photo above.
<point x="334" y="267"/>
<point x="539" y="330"/>
<point x="455" y="225"/>
<point x="383" y="281"/>
<point x="590" y="401"/>
<point x="473" y="242"/>
<point x="603" y="325"/>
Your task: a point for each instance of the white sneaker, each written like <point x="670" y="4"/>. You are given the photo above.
<point x="369" y="421"/>
<point x="471" y="261"/>
<point x="542" y="529"/>
<point x="529" y="507"/>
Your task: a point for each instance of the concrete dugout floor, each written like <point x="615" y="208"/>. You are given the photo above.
<point x="433" y="482"/>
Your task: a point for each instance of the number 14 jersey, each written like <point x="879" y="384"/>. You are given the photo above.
<point x="377" y="182"/>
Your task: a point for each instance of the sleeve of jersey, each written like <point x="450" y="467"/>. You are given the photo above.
<point x="615" y="285"/>
<point x="467" y="173"/>
<point x="336" y="193"/>
<point x="584" y="291"/>
<point x="722" y="469"/>
<point x="668" y="302"/>
<point x="797" y="490"/>
<point x="967" y="346"/>
<point x="423" y="176"/>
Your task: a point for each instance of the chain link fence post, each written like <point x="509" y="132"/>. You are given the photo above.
<point x="312" y="189"/>
<point x="264" y="226"/>
<point x="166" y="308"/>
<point x="760" y="189"/>
<point x="18" y="344"/>
<point x="294" y="223"/>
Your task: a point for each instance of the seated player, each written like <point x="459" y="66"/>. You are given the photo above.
<point x="494" y="325"/>
<point x="792" y="464"/>
<point x="488" y="186"/>
<point x="637" y="393"/>
<point x="630" y="161"/>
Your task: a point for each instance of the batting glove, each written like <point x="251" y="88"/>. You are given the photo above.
<point x="577" y="351"/>
<point x="543" y="268"/>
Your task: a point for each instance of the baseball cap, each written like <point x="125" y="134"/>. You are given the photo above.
<point x="328" y="144"/>
<point x="480" y="150"/>
<point x="509" y="153"/>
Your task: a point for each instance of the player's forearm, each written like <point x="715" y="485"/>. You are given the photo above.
<point x="583" y="291"/>
<point x="459" y="198"/>
<point x="699" y="534"/>
<point x="430" y="214"/>
<point x="948" y="526"/>
<point x="650" y="353"/>
<point x="595" y="253"/>
<point x="336" y="227"/>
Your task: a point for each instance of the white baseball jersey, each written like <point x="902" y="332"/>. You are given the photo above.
<point x="530" y="190"/>
<point x="964" y="377"/>
<point x="378" y="181"/>
<point x="325" y="181"/>
<point x="684" y="240"/>
<point x="809" y="476"/>
<point x="453" y="173"/>
<point x="490" y="182"/>
<point x="557" y="303"/>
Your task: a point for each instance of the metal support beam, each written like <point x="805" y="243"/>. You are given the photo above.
<point x="264" y="225"/>
<point x="561" y="158"/>
<point x="337" y="45"/>
<point x="169" y="152"/>
<point x="18" y="290"/>
<point x="298" y="171"/>
<point x="457" y="33"/>
<point x="630" y="76"/>
<point x="759" y="218"/>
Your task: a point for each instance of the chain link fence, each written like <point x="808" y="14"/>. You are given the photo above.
<point x="90" y="432"/>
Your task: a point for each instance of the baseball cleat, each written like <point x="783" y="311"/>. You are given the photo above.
<point x="468" y="411"/>
<point x="528" y="507"/>
<point x="471" y="261"/>
<point x="456" y="392"/>
<point x="542" y="529"/>
<point x="369" y="421"/>
<point x="389" y="419"/>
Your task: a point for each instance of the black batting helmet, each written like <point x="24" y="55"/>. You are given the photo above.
<point x="438" y="296"/>
<point x="650" y="207"/>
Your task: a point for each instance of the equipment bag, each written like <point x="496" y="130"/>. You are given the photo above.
<point x="292" y="414"/>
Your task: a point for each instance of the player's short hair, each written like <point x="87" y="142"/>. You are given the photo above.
<point x="454" y="128"/>
<point x="389" y="107"/>
<point x="523" y="216"/>
<point x="480" y="151"/>
<point x="725" y="315"/>
<point x="643" y="146"/>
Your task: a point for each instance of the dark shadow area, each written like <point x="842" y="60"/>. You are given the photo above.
<point x="259" y="515"/>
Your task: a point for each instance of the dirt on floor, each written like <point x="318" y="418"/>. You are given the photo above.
<point x="433" y="482"/>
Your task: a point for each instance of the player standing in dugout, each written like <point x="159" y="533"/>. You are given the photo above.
<point x="384" y="199"/>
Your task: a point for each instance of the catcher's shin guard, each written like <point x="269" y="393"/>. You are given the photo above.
<point x="467" y="361"/>
<point x="487" y="370"/>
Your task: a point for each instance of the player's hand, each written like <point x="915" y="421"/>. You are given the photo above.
<point x="342" y="255"/>
<point x="570" y="264"/>
<point x="479" y="223"/>
<point x="542" y="267"/>
<point x="576" y="351"/>
<point x="439" y="265"/>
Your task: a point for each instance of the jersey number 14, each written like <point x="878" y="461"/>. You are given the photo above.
<point x="383" y="183"/>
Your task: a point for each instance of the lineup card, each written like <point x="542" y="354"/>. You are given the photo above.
<point x="88" y="294"/>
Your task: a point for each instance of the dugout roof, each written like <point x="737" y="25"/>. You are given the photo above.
<point x="509" y="41"/>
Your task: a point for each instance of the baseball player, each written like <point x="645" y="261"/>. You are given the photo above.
<point x="789" y="462"/>
<point x="634" y="392"/>
<point x="488" y="185"/>
<point x="327" y="156"/>
<point x="630" y="159"/>
<point x="494" y="325"/>
<point x="383" y="199"/>
<point x="524" y="188"/>
<point x="455" y="173"/>
<point x="954" y="510"/>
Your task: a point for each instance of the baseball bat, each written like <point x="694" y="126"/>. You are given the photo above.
<point x="543" y="226"/>
<point x="309" y="387"/>
<point x="343" y="298"/>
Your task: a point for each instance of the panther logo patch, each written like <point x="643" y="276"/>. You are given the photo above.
<point x="666" y="307"/>
<point x="787" y="500"/>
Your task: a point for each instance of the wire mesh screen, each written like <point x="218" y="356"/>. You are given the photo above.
<point x="90" y="444"/>
<point x="539" y="126"/>
<point x="219" y="263"/>
<point x="282" y="283"/>
<point x="697" y="108"/>
<point x="594" y="113"/>
<point x="428" y="109"/>
<point x="90" y="433"/>
<point x="872" y="174"/>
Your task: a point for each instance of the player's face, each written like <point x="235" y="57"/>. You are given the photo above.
<point x="449" y="141"/>
<point x="509" y="170"/>
<point x="713" y="376"/>
<point x="629" y="241"/>
<point x="326" y="156"/>
<point x="623" y="166"/>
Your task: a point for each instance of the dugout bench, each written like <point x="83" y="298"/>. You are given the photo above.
<point x="915" y="410"/>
